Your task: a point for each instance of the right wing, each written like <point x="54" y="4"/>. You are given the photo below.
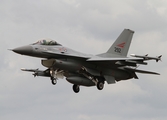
<point x="117" y="61"/>
<point x="122" y="62"/>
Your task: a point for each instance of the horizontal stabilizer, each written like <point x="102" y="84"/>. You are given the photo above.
<point x="109" y="79"/>
<point x="141" y="71"/>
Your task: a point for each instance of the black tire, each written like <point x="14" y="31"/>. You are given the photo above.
<point x="100" y="85"/>
<point x="76" y="88"/>
<point x="54" y="81"/>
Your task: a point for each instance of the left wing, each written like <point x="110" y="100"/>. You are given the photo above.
<point x="65" y="55"/>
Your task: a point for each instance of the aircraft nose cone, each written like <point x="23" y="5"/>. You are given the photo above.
<point x="24" y="50"/>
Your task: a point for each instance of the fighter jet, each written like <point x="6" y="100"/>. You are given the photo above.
<point x="82" y="69"/>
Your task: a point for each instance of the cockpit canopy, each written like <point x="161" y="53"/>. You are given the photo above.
<point x="46" y="42"/>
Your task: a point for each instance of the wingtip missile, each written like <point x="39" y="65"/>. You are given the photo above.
<point x="139" y="56"/>
<point x="23" y="69"/>
<point x="29" y="70"/>
<point x="146" y="57"/>
<point x="133" y="55"/>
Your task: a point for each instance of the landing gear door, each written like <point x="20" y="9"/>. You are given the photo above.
<point x="109" y="79"/>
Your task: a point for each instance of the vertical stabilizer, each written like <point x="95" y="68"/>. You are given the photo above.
<point x="122" y="43"/>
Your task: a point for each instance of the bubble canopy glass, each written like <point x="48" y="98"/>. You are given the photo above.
<point x="46" y="42"/>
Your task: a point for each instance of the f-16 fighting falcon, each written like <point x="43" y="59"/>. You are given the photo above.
<point x="83" y="69"/>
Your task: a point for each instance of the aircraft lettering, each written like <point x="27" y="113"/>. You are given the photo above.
<point x="62" y="50"/>
<point x="118" y="50"/>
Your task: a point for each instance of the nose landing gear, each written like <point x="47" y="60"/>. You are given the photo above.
<point x="53" y="80"/>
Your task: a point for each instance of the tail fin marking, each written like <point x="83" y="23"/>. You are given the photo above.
<point x="122" y="43"/>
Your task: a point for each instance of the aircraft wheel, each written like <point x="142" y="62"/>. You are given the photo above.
<point x="54" y="81"/>
<point x="100" y="85"/>
<point x="76" y="88"/>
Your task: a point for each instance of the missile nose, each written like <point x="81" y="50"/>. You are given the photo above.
<point x="24" y="50"/>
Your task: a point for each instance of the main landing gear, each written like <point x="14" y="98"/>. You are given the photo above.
<point x="76" y="88"/>
<point x="100" y="86"/>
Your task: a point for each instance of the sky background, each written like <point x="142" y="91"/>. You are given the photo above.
<point x="89" y="26"/>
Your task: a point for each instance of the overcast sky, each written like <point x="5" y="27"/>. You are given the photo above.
<point x="89" y="26"/>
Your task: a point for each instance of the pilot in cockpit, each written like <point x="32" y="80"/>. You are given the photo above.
<point x="46" y="42"/>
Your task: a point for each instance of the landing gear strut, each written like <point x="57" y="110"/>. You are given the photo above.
<point x="76" y="88"/>
<point x="97" y="80"/>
